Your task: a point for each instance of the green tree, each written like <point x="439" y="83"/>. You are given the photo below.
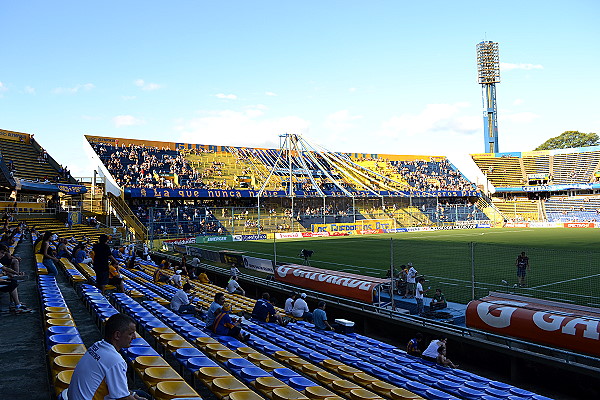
<point x="570" y="139"/>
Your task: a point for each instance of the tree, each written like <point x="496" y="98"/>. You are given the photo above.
<point x="570" y="139"/>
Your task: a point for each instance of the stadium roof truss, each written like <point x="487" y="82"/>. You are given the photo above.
<point x="299" y="160"/>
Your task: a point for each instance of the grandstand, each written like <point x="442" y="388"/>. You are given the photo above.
<point x="149" y="191"/>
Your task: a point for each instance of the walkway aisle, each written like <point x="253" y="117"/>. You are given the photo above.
<point x="22" y="350"/>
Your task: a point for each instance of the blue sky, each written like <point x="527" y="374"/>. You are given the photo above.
<point x="377" y="77"/>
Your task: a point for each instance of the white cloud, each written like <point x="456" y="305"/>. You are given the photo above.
<point x="250" y="127"/>
<point x="29" y="90"/>
<point x="226" y="96"/>
<point x="127" y="120"/>
<point x="3" y="87"/>
<point x="74" y="89"/>
<point x="527" y="67"/>
<point x="434" y="119"/>
<point x="352" y="89"/>
<point x="340" y="121"/>
<point x="518" y="102"/>
<point x="520" y="118"/>
<point x="146" y="85"/>
<point x="270" y="94"/>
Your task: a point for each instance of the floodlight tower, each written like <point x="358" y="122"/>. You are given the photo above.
<point x="488" y="74"/>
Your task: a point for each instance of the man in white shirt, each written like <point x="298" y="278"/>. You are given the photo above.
<point x="419" y="296"/>
<point x="289" y="303"/>
<point x="300" y="308"/>
<point x="180" y="302"/>
<point x="411" y="277"/>
<point x="102" y="372"/>
<point x="234" y="287"/>
<point x="431" y="352"/>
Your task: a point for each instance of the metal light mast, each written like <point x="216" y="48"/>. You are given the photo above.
<point x="488" y="74"/>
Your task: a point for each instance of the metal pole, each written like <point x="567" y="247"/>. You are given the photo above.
<point x="392" y="273"/>
<point x="258" y="227"/>
<point x="472" y="271"/>
<point x="275" y="248"/>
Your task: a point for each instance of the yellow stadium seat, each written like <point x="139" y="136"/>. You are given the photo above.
<point x="269" y="365"/>
<point x="287" y="393"/>
<point x="245" y="351"/>
<point x="213" y="348"/>
<point x="266" y="384"/>
<point x="326" y="377"/>
<point x="347" y="371"/>
<point x="143" y="362"/>
<point x="168" y="390"/>
<point x="318" y="393"/>
<point x="284" y="355"/>
<point x="403" y="394"/>
<point x="244" y="395"/>
<point x="64" y="362"/>
<point x="62" y="380"/>
<point x="224" y="355"/>
<point x="173" y="345"/>
<point x="207" y="374"/>
<point x="343" y="386"/>
<point x="332" y="364"/>
<point x="226" y="385"/>
<point x="382" y="388"/>
<point x="363" y="394"/>
<point x="153" y="375"/>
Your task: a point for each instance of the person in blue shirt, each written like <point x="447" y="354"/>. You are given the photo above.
<point x="320" y="317"/>
<point x="265" y="312"/>
<point x="225" y="325"/>
<point x="214" y="309"/>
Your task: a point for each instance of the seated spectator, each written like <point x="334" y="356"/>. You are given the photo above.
<point x="289" y="303"/>
<point x="176" y="279"/>
<point x="61" y="249"/>
<point x="320" y="317"/>
<point x="233" y="287"/>
<point x="265" y="312"/>
<point x="181" y="303"/>
<point x="431" y="352"/>
<point x="9" y="285"/>
<point x="9" y="265"/>
<point x="300" y="308"/>
<point x="79" y="255"/>
<point x="160" y="275"/>
<point x="102" y="370"/>
<point x="234" y="271"/>
<point x="225" y="325"/>
<point x="438" y="301"/>
<point x="203" y="278"/>
<point x="214" y="309"/>
<point x="412" y="347"/>
<point x="114" y="276"/>
<point x="48" y="257"/>
<point x="442" y="359"/>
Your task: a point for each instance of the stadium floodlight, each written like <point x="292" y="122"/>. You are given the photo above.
<point x="488" y="74"/>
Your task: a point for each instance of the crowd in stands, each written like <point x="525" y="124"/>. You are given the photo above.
<point x="433" y="175"/>
<point x="183" y="220"/>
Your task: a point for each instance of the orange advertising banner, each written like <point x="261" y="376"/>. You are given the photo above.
<point x="352" y="286"/>
<point x="567" y="326"/>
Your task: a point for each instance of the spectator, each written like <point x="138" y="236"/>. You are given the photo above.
<point x="431" y="352"/>
<point x="411" y="277"/>
<point x="412" y="348"/>
<point x="114" y="276"/>
<point x="419" y="295"/>
<point x="10" y="261"/>
<point x="102" y="257"/>
<point x="233" y="287"/>
<point x="61" y="249"/>
<point x="203" y="278"/>
<point x="289" y="303"/>
<point x="265" y="312"/>
<point x="9" y="285"/>
<point x="300" y="308"/>
<point x="160" y="275"/>
<point x="79" y="255"/>
<point x="320" y="317"/>
<point x="213" y="309"/>
<point x="176" y="279"/>
<point x="181" y="302"/>
<point x="102" y="370"/>
<point x="48" y="258"/>
<point x="225" y="325"/>
<point x="442" y="359"/>
<point x="438" y="301"/>
<point x="234" y="271"/>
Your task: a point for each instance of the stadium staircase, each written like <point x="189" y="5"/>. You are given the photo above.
<point x="130" y="220"/>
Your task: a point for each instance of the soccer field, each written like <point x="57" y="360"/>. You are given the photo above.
<point x="564" y="263"/>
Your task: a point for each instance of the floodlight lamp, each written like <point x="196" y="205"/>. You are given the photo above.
<point x="488" y="63"/>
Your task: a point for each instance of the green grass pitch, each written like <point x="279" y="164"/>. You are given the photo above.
<point x="565" y="265"/>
